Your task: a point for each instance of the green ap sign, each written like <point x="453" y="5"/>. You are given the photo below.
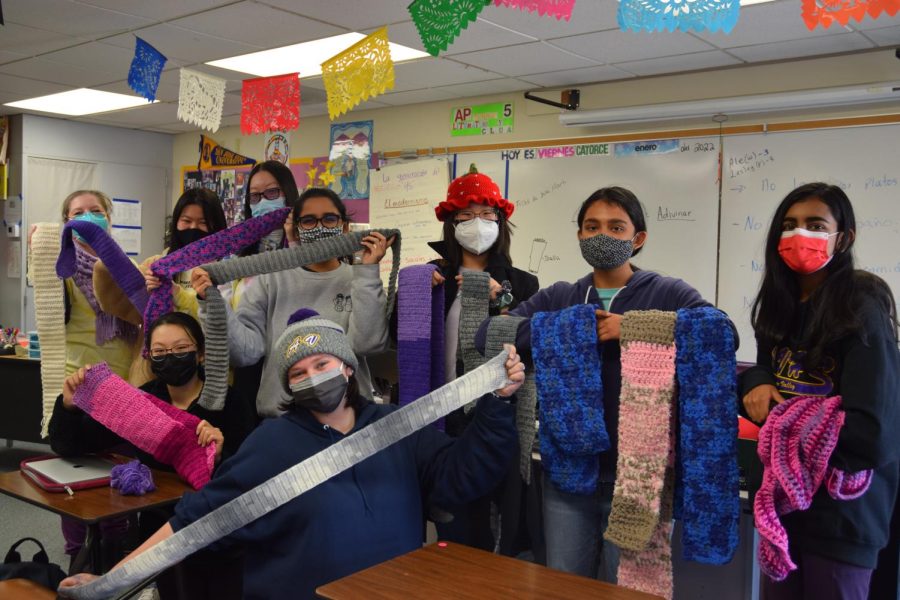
<point x="482" y="119"/>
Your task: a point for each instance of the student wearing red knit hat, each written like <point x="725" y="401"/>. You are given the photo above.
<point x="476" y="237"/>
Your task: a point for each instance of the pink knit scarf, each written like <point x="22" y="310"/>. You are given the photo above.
<point x="795" y="445"/>
<point x="154" y="426"/>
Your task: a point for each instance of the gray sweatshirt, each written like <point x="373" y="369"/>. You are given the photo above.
<point x="351" y="296"/>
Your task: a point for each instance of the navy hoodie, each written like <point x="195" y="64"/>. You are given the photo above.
<point x="361" y="517"/>
<point x="645" y="290"/>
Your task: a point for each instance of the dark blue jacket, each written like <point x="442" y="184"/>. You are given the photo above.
<point x="361" y="517"/>
<point x="646" y="290"/>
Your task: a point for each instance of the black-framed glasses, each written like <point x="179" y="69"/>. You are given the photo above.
<point x="488" y="214"/>
<point x="328" y="220"/>
<point x="269" y="194"/>
<point x="179" y="351"/>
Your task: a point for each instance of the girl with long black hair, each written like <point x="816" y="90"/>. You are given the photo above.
<point x="824" y="328"/>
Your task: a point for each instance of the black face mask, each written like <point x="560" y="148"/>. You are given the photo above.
<point x="175" y="370"/>
<point x="183" y="237"/>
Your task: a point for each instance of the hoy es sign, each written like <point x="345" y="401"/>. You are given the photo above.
<point x="482" y="119"/>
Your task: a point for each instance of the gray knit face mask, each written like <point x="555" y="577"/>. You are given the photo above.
<point x="319" y="233"/>
<point x="605" y="252"/>
<point x="322" y="392"/>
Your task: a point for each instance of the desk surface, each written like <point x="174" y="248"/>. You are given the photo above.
<point x="95" y="504"/>
<point x="454" y="571"/>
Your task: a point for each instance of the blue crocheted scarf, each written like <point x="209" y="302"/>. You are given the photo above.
<point x="707" y="447"/>
<point x="567" y="374"/>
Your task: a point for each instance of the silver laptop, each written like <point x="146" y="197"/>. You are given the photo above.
<point x="67" y="471"/>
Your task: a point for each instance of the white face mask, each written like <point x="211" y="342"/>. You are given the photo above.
<point x="477" y="235"/>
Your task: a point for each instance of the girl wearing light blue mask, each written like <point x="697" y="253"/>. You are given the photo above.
<point x="270" y="186"/>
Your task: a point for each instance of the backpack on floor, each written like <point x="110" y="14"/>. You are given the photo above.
<point x="39" y="569"/>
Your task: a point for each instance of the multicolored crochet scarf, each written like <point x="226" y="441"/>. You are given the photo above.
<point x="154" y="426"/>
<point x="795" y="445"/>
<point x="206" y="250"/>
<point x="707" y="445"/>
<point x="502" y="330"/>
<point x="216" y="384"/>
<point x="567" y="373"/>
<point x="420" y="333"/>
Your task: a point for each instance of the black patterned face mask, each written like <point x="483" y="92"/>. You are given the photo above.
<point x="318" y="233"/>
<point x="605" y="252"/>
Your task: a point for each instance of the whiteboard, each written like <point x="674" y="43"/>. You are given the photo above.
<point x="403" y="196"/>
<point x="679" y="191"/>
<point x="758" y="172"/>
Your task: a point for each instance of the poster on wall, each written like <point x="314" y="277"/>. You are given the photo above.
<point x="278" y="147"/>
<point x="351" y="150"/>
<point x="482" y="119"/>
<point x="228" y="184"/>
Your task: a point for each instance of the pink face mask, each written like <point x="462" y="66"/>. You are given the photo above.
<point x="805" y="251"/>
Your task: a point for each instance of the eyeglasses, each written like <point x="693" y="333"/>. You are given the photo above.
<point x="490" y="214"/>
<point x="328" y="220"/>
<point x="180" y="351"/>
<point x="269" y="194"/>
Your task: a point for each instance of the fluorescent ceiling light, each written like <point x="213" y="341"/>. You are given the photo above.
<point x="840" y="96"/>
<point x="82" y="101"/>
<point x="305" y="58"/>
<point x="749" y="2"/>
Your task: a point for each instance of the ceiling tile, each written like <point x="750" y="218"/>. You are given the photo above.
<point x="885" y="36"/>
<point x="169" y="84"/>
<point x="587" y="16"/>
<point x="487" y="88"/>
<point x="616" y="45"/>
<point x="19" y="88"/>
<point x="157" y="10"/>
<point x="578" y="76"/>
<point x="32" y="41"/>
<point x="311" y="95"/>
<point x="351" y="14"/>
<point x="479" y="35"/>
<point x="882" y="21"/>
<point x="100" y="57"/>
<point x="763" y="23"/>
<point x="6" y="57"/>
<point x="831" y="44"/>
<point x="536" y="57"/>
<point x="71" y="18"/>
<point x="187" y="46"/>
<point x="677" y="64"/>
<point x="416" y="96"/>
<point x="142" y="116"/>
<point x="433" y="72"/>
<point x="258" y="25"/>
<point x="46" y="70"/>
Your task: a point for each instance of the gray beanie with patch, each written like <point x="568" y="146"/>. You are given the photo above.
<point x="307" y="334"/>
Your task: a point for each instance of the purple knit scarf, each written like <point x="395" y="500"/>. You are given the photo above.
<point x="420" y="333"/>
<point x="206" y="250"/>
<point x="77" y="263"/>
<point x="106" y="326"/>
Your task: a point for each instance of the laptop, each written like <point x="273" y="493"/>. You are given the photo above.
<point x="71" y="471"/>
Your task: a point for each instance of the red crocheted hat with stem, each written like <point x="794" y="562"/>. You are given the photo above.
<point x="472" y="187"/>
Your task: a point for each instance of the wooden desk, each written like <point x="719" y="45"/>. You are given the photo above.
<point x="93" y="505"/>
<point x="447" y="570"/>
<point x="21" y="404"/>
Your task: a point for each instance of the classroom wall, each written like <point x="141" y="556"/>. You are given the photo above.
<point x="123" y="157"/>
<point x="427" y="125"/>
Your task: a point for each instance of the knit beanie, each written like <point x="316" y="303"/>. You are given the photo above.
<point x="473" y="187"/>
<point x="308" y="334"/>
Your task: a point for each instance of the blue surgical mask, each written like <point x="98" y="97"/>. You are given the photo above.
<point x="266" y="206"/>
<point x="98" y="219"/>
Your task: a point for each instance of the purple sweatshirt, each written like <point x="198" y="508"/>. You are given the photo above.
<point x="645" y="291"/>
